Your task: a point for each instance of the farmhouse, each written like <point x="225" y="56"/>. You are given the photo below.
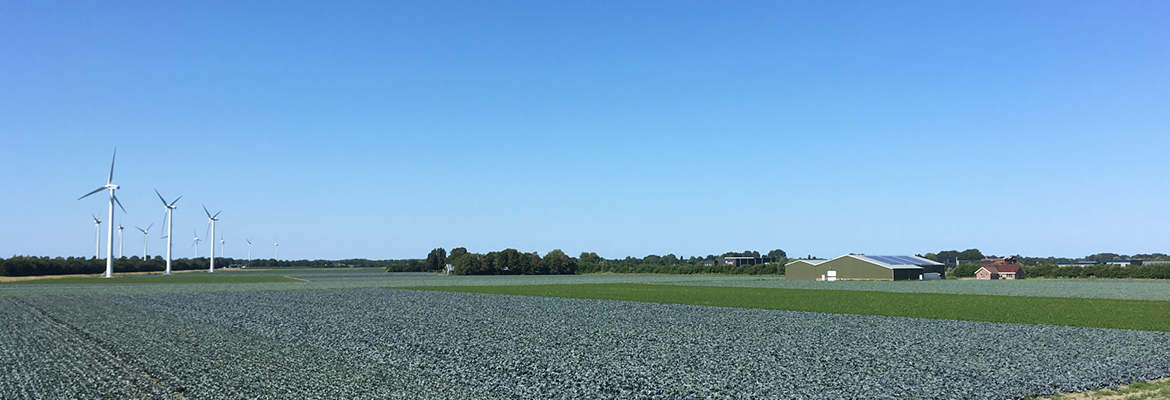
<point x="863" y="267"/>
<point x="1000" y="271"/>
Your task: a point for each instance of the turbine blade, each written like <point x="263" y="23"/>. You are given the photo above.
<point x="150" y="226"/>
<point x="95" y="219"/>
<point x="176" y="201"/>
<point x="111" y="180"/>
<point x="119" y="203"/>
<point x="216" y="214"/>
<point x="160" y="197"/>
<point x="143" y="230"/>
<point x="94" y="191"/>
<point x="205" y="210"/>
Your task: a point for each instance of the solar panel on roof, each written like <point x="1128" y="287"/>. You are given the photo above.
<point x="897" y="260"/>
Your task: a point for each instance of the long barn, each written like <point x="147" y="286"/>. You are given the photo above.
<point x="863" y="267"/>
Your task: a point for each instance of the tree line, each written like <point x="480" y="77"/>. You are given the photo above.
<point x="556" y="262"/>
<point x="30" y="266"/>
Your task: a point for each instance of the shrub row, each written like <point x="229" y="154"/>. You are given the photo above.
<point x="682" y="269"/>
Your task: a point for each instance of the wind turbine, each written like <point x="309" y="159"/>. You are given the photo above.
<point x="97" y="233"/>
<point x="121" y="241"/>
<point x="110" y="186"/>
<point x="195" y="244"/>
<point x="221" y="245"/>
<point x="278" y="251"/>
<point x="144" y="231"/>
<point x="212" y="219"/>
<point x="249" y="250"/>
<point x="169" y="220"/>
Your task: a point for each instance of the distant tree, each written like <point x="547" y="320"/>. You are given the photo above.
<point x="670" y="259"/>
<point x="556" y="262"/>
<point x="652" y="259"/>
<point x="971" y="254"/>
<point x="778" y="255"/>
<point x="436" y="260"/>
<point x="589" y="258"/>
<point x="456" y="252"/>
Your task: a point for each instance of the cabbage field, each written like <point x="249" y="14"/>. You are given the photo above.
<point x="343" y="338"/>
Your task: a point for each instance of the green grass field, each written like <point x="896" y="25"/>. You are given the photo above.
<point x="1096" y="313"/>
<point x="185" y="278"/>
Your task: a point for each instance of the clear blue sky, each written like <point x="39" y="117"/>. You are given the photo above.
<point x="385" y="129"/>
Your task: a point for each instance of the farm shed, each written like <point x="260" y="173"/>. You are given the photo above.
<point x="1000" y="271"/>
<point x="862" y="267"/>
<point x="803" y="270"/>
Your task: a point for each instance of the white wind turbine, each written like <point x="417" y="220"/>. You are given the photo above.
<point x="110" y="186"/>
<point x="222" y="245"/>
<point x="144" y="231"/>
<point x="97" y="234"/>
<point x="195" y="244"/>
<point x="169" y="221"/>
<point x="249" y="250"/>
<point x="121" y="241"/>
<point x="277" y="251"/>
<point x="212" y="219"/>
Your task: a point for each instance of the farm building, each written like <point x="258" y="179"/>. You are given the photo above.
<point x="737" y="261"/>
<point x="801" y="264"/>
<point x="863" y="267"/>
<point x="1000" y="271"/>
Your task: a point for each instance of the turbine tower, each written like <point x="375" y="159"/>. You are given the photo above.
<point x="249" y="250"/>
<point x="195" y="244"/>
<point x="278" y="251"/>
<point x="110" y="186"/>
<point x="121" y="241"/>
<point x="222" y="245"/>
<point x="97" y="233"/>
<point x="212" y="219"/>
<point x="169" y="220"/>
<point x="144" y="231"/>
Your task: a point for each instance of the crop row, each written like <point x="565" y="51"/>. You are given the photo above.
<point x="145" y="354"/>
<point x="41" y="359"/>
<point x="536" y="347"/>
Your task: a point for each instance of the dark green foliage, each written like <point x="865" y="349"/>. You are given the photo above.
<point x="1096" y="313"/>
<point x="627" y="267"/>
<point x="513" y="262"/>
<point x="437" y="259"/>
<point x="1152" y="271"/>
<point x="965" y="271"/>
<point x="969" y="254"/>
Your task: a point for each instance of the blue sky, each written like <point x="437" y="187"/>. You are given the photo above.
<point x="385" y="129"/>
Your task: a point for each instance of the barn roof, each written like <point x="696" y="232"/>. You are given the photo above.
<point x="896" y="262"/>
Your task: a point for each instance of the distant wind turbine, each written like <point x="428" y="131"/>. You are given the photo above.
<point x="169" y="221"/>
<point x="249" y="250"/>
<point x="212" y="219"/>
<point x="121" y="241"/>
<point x="196" y="243"/>
<point x="97" y="233"/>
<point x="222" y="245"/>
<point x="278" y="251"/>
<point x="110" y="186"/>
<point x="144" y="231"/>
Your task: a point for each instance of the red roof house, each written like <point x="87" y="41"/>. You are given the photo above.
<point x="1000" y="271"/>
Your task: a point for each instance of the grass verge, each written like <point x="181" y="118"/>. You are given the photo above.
<point x="185" y="278"/>
<point x="1146" y="315"/>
